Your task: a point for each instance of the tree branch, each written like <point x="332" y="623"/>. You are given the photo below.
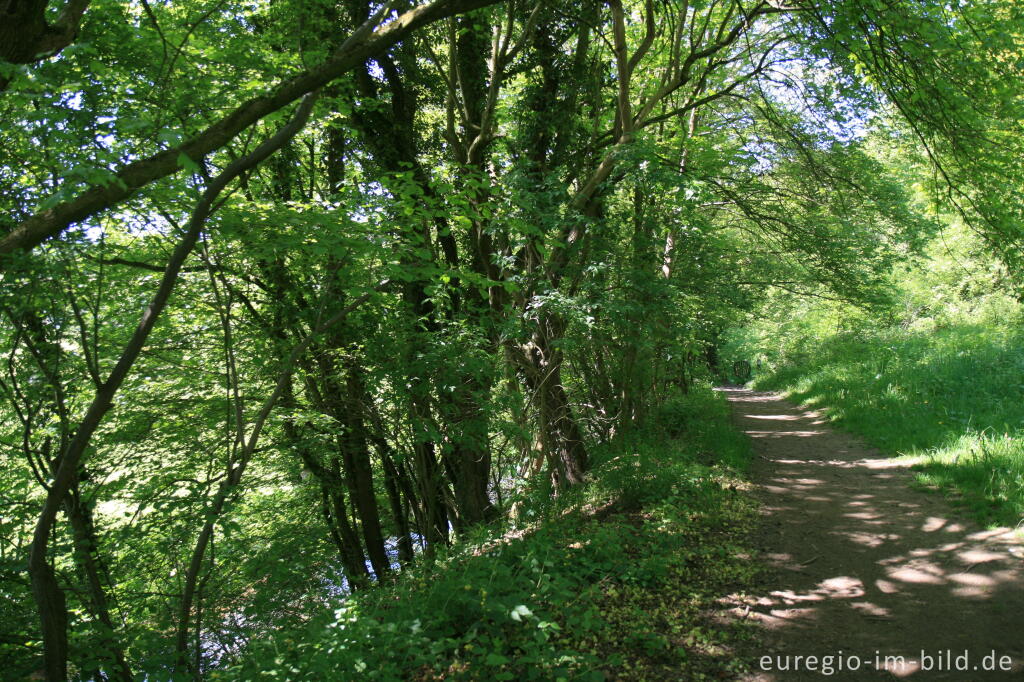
<point x="44" y="585"/>
<point x="365" y="42"/>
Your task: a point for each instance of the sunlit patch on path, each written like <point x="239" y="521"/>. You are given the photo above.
<point x="864" y="566"/>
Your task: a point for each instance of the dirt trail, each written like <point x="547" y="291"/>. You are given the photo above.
<point x="860" y="563"/>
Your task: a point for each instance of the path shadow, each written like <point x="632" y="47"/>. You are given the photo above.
<point x="867" y="570"/>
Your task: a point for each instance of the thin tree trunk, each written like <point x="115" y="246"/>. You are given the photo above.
<point x="352" y="555"/>
<point x="342" y="535"/>
<point x="88" y="560"/>
<point x="428" y="475"/>
<point x="561" y="438"/>
<point x="234" y="475"/>
<point x="472" y="453"/>
<point x="352" y="562"/>
<point x="404" y="536"/>
<point x="52" y="613"/>
<point x="336" y="400"/>
<point x="359" y="471"/>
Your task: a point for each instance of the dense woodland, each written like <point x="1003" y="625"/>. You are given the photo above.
<point x="300" y="297"/>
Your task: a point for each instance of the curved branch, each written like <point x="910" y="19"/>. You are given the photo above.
<point x="366" y="41"/>
<point x="47" y="592"/>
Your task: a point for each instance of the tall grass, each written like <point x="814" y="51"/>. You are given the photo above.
<point x="953" y="397"/>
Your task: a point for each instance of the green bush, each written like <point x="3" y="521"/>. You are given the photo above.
<point x="614" y="578"/>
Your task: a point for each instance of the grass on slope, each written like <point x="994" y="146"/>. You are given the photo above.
<point x="611" y="584"/>
<point x="954" y="397"/>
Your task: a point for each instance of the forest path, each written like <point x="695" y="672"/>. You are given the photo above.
<point x="861" y="563"/>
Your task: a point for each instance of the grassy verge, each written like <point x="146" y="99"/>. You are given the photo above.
<point x="611" y="584"/>
<point x="954" y="398"/>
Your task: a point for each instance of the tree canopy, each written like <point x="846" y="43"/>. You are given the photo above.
<point x="295" y="294"/>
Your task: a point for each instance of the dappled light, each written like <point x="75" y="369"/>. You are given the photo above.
<point x="948" y="400"/>
<point x="863" y="563"/>
<point x="362" y="340"/>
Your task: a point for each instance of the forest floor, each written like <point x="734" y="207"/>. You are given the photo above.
<point x="865" y="571"/>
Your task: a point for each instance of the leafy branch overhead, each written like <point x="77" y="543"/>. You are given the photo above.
<point x="306" y="306"/>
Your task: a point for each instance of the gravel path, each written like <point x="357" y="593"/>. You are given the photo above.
<point x="863" y="567"/>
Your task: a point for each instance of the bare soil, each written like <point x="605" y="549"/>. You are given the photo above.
<point x="862" y="566"/>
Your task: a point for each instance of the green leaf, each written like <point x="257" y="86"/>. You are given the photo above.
<point x="186" y="162"/>
<point x="496" y="659"/>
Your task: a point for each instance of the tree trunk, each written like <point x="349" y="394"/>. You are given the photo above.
<point x="53" y="615"/>
<point x="344" y="538"/>
<point x="88" y="561"/>
<point x="359" y="471"/>
<point x="560" y="434"/>
<point x="398" y="510"/>
<point x="540" y="363"/>
<point x="429" y="477"/>
<point x="468" y="452"/>
<point x="352" y="558"/>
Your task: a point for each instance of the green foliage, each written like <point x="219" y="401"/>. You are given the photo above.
<point x="939" y="381"/>
<point x="610" y="583"/>
<point x="540" y="237"/>
<point x="703" y="419"/>
<point x="952" y="397"/>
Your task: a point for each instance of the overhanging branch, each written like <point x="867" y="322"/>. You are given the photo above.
<point x="366" y="41"/>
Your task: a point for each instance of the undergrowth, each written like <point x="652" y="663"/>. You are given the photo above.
<point x="952" y="397"/>
<point x="610" y="582"/>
